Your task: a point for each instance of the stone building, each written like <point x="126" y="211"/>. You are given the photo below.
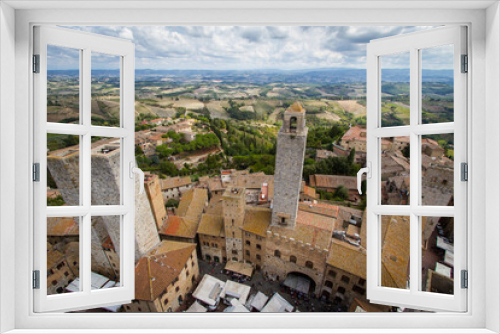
<point x="345" y="274"/>
<point x="355" y="138"/>
<point x="59" y="274"/>
<point x="164" y="277"/>
<point x="300" y="251"/>
<point x="291" y="146"/>
<point x="153" y="190"/>
<point x="212" y="238"/>
<point x="255" y="228"/>
<point x="174" y="187"/>
<point x="233" y="214"/>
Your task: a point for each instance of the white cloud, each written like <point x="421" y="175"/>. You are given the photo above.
<point x="255" y="47"/>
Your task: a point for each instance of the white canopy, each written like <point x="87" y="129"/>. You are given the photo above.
<point x="209" y="290"/>
<point x="297" y="283"/>
<point x="196" y="308"/>
<point x="277" y="304"/>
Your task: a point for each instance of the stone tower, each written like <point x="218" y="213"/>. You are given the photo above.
<point x="105" y="190"/>
<point x="290" y="152"/>
<point x="153" y="189"/>
<point x="233" y="211"/>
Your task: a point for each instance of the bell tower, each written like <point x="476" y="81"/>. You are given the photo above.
<point x="290" y="152"/>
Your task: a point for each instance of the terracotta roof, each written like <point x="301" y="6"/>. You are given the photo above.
<point x="320" y="208"/>
<point x="257" y="220"/>
<point x="311" y="192"/>
<point x="254" y="181"/>
<point x="192" y="204"/>
<point x="334" y="181"/>
<point x="108" y="244"/>
<point x="215" y="205"/>
<point x="62" y="227"/>
<point x="53" y="257"/>
<point x="347" y="257"/>
<point x="395" y="250"/>
<point x="155" y="271"/>
<point x="175" y="182"/>
<point x="179" y="227"/>
<point x="211" y="224"/>
<point x="296" y="107"/>
<point x="355" y="132"/>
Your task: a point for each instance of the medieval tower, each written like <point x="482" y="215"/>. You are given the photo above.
<point x="290" y="152"/>
<point x="233" y="212"/>
<point x="63" y="165"/>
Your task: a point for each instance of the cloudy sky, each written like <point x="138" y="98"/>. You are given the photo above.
<point x="246" y="48"/>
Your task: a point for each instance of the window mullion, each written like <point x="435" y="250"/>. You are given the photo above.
<point x="415" y="181"/>
<point x="85" y="157"/>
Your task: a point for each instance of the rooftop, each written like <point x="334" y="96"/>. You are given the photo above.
<point x="211" y="224"/>
<point x="62" y="227"/>
<point x="155" y="271"/>
<point x="333" y="181"/>
<point x="348" y="258"/>
<point x="296" y="107"/>
<point x="257" y="220"/>
<point x="175" y="182"/>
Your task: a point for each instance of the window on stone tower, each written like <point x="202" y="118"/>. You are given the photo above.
<point x="293" y="124"/>
<point x="277" y="253"/>
<point x="293" y="259"/>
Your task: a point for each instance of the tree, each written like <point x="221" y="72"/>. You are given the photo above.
<point x="172" y="203"/>
<point x="352" y="155"/>
<point x="169" y="168"/>
<point x="342" y="193"/>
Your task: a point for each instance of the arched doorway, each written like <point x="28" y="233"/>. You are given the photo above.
<point x="300" y="282"/>
<point x="216" y="259"/>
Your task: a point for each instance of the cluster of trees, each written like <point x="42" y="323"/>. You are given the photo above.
<point x="333" y="166"/>
<point x="234" y="111"/>
<point x="179" y="145"/>
<point x="257" y="163"/>
<point x="323" y="137"/>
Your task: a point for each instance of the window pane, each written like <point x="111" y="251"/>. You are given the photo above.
<point x="63" y="255"/>
<point x="105" y="251"/>
<point x="437" y="84"/>
<point x="63" y="170"/>
<point x="105" y="89"/>
<point x="437" y="169"/>
<point x="63" y="84"/>
<point x="106" y="171"/>
<point x="395" y="171"/>
<point x="437" y="254"/>
<point x="395" y="241"/>
<point x="395" y="89"/>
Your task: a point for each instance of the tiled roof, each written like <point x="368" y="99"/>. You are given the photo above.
<point x="296" y="107"/>
<point x="179" y="227"/>
<point x="355" y="132"/>
<point x="320" y="208"/>
<point x="215" y="205"/>
<point x="348" y="258"/>
<point x="311" y="192"/>
<point x="155" y="271"/>
<point x="192" y="204"/>
<point x="395" y="250"/>
<point x="62" y="227"/>
<point x="257" y="220"/>
<point x="334" y="181"/>
<point x="211" y="224"/>
<point x="175" y="182"/>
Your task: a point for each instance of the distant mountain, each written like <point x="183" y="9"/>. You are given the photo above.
<point x="316" y="76"/>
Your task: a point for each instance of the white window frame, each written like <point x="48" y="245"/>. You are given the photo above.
<point x="484" y="102"/>
<point x="85" y="43"/>
<point x="412" y="44"/>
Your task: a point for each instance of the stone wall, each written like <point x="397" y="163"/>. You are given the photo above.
<point x="153" y="190"/>
<point x="288" y="177"/>
<point x="278" y="267"/>
<point x="233" y="212"/>
<point x="341" y="286"/>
